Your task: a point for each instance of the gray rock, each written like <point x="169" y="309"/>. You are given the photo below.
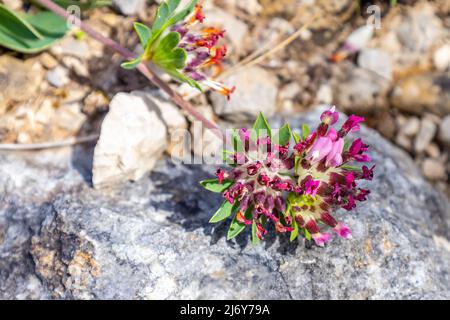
<point x="237" y="30"/>
<point x="444" y="131"/>
<point x="59" y="238"/>
<point x="256" y="91"/>
<point x="129" y="7"/>
<point x="360" y="90"/>
<point x="420" y="28"/>
<point x="426" y="134"/>
<point x="377" y="61"/>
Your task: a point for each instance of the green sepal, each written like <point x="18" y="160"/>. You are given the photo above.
<point x="305" y="131"/>
<point x="224" y="211"/>
<point x="213" y="185"/>
<point x="283" y="136"/>
<point x="261" y="125"/>
<point x="255" y="239"/>
<point x="237" y="227"/>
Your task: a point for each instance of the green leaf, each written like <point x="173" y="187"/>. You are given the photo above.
<point x="307" y="234"/>
<point x="131" y="64"/>
<point x="183" y="13"/>
<point x="83" y="5"/>
<point x="305" y="131"/>
<point x="346" y="145"/>
<point x="236" y="227"/>
<point x="167" y="55"/>
<point x="30" y="33"/>
<point x="283" y="136"/>
<point x="255" y="239"/>
<point x="173" y="5"/>
<point x="296" y="163"/>
<point x="162" y="15"/>
<point x="260" y="126"/>
<point x="213" y="185"/>
<point x="143" y="32"/>
<point x="224" y="211"/>
<point x="350" y="168"/>
<point x="11" y="19"/>
<point x="296" y="137"/>
<point x="166" y="17"/>
<point x="294" y="233"/>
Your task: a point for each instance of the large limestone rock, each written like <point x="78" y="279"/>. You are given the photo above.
<point x="59" y="238"/>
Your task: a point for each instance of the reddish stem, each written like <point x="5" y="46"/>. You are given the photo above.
<point x="149" y="74"/>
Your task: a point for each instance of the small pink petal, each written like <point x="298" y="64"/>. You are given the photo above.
<point x="343" y="231"/>
<point x="321" y="238"/>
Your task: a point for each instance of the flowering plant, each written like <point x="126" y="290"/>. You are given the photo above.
<point x="293" y="186"/>
<point x="175" y="47"/>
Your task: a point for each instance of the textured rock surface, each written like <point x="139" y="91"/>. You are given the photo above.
<point x="60" y="238"/>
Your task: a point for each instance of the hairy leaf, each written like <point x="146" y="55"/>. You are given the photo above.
<point x="30" y="33"/>
<point x="305" y="131"/>
<point x="143" y="32"/>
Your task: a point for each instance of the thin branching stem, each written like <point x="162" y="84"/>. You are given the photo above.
<point x="144" y="69"/>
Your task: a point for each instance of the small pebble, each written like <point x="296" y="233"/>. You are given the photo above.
<point x="58" y="77"/>
<point x="411" y="126"/>
<point x="441" y="58"/>
<point x="433" y="169"/>
<point x="433" y="150"/>
<point x="426" y="134"/>
<point x="444" y="131"/>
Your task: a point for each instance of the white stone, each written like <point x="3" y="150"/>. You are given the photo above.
<point x="325" y="94"/>
<point x="426" y="134"/>
<point x="132" y="138"/>
<point x="58" y="77"/>
<point x="441" y="58"/>
<point x="129" y="7"/>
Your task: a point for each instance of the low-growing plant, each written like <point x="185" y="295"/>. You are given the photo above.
<point x="293" y="182"/>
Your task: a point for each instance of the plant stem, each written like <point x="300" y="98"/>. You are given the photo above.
<point x="147" y="72"/>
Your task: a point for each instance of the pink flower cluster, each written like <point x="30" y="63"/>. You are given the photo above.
<point x="296" y="187"/>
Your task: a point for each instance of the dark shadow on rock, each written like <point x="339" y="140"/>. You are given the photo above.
<point x="83" y="154"/>
<point x="192" y="206"/>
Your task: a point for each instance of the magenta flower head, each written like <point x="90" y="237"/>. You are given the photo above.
<point x="292" y="187"/>
<point x="330" y="117"/>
